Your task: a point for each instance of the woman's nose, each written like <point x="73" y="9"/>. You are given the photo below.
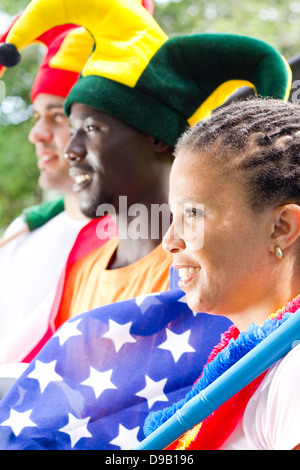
<point x="172" y="243"/>
<point x="75" y="150"/>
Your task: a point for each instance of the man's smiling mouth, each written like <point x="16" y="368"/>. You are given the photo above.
<point x="45" y="160"/>
<point x="81" y="177"/>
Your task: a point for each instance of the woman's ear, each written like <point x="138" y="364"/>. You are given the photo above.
<point x="285" y="226"/>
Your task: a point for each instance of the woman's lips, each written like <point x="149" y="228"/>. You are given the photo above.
<point x="186" y="274"/>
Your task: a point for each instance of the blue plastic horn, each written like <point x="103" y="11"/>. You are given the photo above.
<point x="254" y="363"/>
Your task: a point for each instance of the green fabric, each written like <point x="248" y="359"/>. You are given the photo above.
<point x="182" y="74"/>
<point x="36" y="216"/>
<point x="137" y="109"/>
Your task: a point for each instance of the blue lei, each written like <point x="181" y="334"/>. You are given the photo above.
<point x="228" y="356"/>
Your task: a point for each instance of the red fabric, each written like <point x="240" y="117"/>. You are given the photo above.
<point x="53" y="81"/>
<point x="86" y="241"/>
<point x="217" y="427"/>
<point x="148" y="4"/>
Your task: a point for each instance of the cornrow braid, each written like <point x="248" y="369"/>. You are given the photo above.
<point x="256" y="141"/>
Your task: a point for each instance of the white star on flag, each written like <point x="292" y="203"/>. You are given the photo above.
<point x="143" y="301"/>
<point x="18" y="421"/>
<point x="184" y="300"/>
<point x="99" y="381"/>
<point x="153" y="391"/>
<point x="68" y="331"/>
<point x="76" y="428"/>
<point x="119" y="334"/>
<point x="140" y="298"/>
<point x="177" y="344"/>
<point x="125" y="436"/>
<point x="44" y="374"/>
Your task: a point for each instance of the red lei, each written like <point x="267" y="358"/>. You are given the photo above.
<point x="216" y="428"/>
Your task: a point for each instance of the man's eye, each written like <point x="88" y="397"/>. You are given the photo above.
<point x="35" y="116"/>
<point x="92" y="128"/>
<point x="60" y="117"/>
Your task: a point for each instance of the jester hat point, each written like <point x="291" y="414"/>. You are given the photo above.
<point x="155" y="84"/>
<point x="68" y="48"/>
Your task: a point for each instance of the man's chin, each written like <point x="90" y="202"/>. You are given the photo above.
<point x="92" y="207"/>
<point x="51" y="183"/>
<point x="46" y="183"/>
<point x="88" y="209"/>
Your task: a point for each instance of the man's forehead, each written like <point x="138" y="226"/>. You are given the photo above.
<point x="80" y="113"/>
<point x="48" y="102"/>
<point x="84" y="111"/>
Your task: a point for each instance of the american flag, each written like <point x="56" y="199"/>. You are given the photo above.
<point x="99" y="376"/>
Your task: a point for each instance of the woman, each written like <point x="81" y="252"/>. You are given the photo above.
<point x="235" y="199"/>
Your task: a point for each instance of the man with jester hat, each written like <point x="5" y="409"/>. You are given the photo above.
<point x="35" y="247"/>
<point x="33" y="253"/>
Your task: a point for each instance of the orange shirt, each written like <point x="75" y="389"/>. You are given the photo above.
<point x="90" y="285"/>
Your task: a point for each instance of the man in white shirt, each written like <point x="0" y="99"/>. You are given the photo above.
<point x="31" y="263"/>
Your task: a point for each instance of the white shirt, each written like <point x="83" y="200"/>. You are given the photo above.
<point x="272" y="417"/>
<point x="30" y="267"/>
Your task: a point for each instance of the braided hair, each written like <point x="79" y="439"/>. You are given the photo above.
<point x="256" y="141"/>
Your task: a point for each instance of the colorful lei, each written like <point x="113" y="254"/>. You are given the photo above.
<point x="215" y="430"/>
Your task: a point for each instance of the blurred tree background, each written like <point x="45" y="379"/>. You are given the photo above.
<point x="275" y="21"/>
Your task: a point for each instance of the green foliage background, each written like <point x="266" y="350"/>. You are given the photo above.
<point x="275" y="21"/>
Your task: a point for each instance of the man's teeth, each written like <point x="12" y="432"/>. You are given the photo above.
<point x="46" y="158"/>
<point x="187" y="272"/>
<point x="81" y="178"/>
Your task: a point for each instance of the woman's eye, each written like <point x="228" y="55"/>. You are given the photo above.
<point x="193" y="213"/>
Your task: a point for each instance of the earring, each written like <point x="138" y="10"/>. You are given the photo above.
<point x="278" y="252"/>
